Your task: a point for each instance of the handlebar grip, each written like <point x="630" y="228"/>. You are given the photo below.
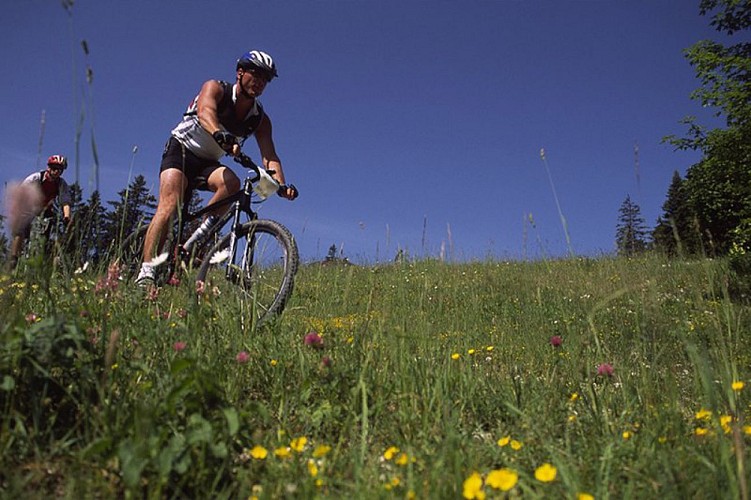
<point x="283" y="189"/>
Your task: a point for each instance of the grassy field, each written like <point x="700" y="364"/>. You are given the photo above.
<point x="580" y="378"/>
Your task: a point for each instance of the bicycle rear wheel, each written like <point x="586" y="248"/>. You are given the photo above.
<point x="263" y="268"/>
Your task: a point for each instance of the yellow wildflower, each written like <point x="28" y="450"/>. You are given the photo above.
<point x="472" y="487"/>
<point x="574" y="397"/>
<point x="502" y="479"/>
<point x="321" y="450"/>
<point x="626" y="435"/>
<point x="312" y="468"/>
<point x="259" y="452"/>
<point x="390" y="452"/>
<point x="725" y="421"/>
<point x="274" y="362"/>
<point x="516" y="445"/>
<point x="471" y="351"/>
<point x="282" y="452"/>
<point x="456" y="355"/>
<point x="700" y="431"/>
<point x="703" y="414"/>
<point x="402" y="459"/>
<point x="546" y="473"/>
<point x="298" y="444"/>
<point x="584" y="496"/>
<point x="504" y="441"/>
<point x="737" y="385"/>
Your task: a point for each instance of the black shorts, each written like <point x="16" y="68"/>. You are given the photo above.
<point x="196" y="169"/>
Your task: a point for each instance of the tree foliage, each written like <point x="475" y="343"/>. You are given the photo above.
<point x="631" y="236"/>
<point x="719" y="186"/>
<point x="134" y="208"/>
<point x="677" y="231"/>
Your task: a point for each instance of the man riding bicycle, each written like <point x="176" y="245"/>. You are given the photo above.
<point x="36" y="197"/>
<point x="216" y="123"/>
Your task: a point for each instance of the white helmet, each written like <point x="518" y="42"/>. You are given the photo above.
<point x="255" y="59"/>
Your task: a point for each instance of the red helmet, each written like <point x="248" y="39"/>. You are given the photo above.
<point x="58" y="160"/>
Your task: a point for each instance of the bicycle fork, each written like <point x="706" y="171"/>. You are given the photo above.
<point x="232" y="249"/>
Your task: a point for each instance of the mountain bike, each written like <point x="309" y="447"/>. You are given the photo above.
<point x="43" y="242"/>
<point x="258" y="256"/>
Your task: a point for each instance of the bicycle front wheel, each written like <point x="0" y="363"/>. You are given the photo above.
<point x="263" y="268"/>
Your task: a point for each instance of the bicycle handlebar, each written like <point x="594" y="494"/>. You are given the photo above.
<point x="248" y="163"/>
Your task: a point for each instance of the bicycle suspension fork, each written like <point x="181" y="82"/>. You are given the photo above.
<point x="237" y="209"/>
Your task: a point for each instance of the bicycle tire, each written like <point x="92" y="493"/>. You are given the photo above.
<point x="265" y="272"/>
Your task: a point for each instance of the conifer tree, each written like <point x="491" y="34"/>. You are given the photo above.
<point x="134" y="208"/>
<point x="677" y="232"/>
<point x="91" y="228"/>
<point x="631" y="232"/>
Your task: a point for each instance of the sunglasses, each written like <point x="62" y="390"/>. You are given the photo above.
<point x="55" y="168"/>
<point x="259" y="73"/>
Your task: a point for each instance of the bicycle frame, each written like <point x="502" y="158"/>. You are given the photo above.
<point x="240" y="203"/>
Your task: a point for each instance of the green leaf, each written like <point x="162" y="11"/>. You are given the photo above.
<point x="219" y="450"/>
<point x="8" y="384"/>
<point x="199" y="430"/>
<point x="233" y="421"/>
<point x="131" y="463"/>
<point x="179" y="365"/>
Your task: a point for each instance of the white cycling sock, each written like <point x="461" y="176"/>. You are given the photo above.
<point x="200" y="232"/>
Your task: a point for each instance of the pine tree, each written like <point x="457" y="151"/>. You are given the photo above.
<point x="631" y="232"/>
<point x="676" y="232"/>
<point x="90" y="224"/>
<point x="133" y="209"/>
<point x="332" y="253"/>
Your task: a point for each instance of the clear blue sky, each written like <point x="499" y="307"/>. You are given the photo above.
<point x="405" y="124"/>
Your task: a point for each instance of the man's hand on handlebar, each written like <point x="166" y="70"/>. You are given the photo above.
<point x="227" y="142"/>
<point x="288" y="191"/>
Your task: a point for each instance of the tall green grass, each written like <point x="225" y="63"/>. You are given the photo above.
<point x="424" y="380"/>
